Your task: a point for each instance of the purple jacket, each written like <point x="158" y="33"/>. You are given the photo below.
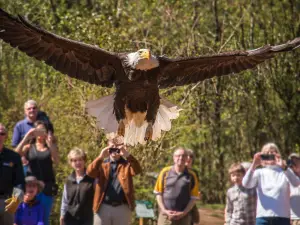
<point x="29" y="214"/>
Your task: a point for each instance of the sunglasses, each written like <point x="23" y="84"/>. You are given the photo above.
<point x="2" y="134"/>
<point x="111" y="150"/>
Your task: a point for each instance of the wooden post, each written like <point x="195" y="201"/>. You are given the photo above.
<point x="141" y="221"/>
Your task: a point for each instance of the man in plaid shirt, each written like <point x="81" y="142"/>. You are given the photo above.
<point x="240" y="202"/>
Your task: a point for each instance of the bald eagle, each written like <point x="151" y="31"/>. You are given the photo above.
<point x="136" y="111"/>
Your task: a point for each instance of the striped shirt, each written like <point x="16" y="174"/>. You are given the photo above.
<point x="240" y="206"/>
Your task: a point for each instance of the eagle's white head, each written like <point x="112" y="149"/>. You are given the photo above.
<point x="142" y="60"/>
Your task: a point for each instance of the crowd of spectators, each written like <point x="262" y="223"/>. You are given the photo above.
<point x="264" y="192"/>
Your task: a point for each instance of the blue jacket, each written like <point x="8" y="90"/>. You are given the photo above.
<point x="30" y="214"/>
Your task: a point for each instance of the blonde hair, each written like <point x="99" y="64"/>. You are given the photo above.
<point x="76" y="153"/>
<point x="269" y="146"/>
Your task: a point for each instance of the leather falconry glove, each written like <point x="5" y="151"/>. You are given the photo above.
<point x="12" y="205"/>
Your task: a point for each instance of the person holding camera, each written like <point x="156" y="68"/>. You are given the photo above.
<point x="11" y="181"/>
<point x="272" y="183"/>
<point x="40" y="149"/>
<point x="114" y="192"/>
<point x="294" y="164"/>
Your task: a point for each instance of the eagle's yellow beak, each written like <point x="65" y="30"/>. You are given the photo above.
<point x="145" y="54"/>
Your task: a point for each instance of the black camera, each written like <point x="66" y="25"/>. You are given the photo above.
<point x="111" y="150"/>
<point x="267" y="157"/>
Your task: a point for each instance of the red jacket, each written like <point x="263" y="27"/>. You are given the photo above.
<point x="100" y="169"/>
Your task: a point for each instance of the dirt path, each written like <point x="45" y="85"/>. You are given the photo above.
<point x="211" y="217"/>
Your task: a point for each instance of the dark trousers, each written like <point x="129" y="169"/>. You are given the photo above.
<point x="273" y="221"/>
<point x="71" y="220"/>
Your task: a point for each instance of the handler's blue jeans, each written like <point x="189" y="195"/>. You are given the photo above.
<point x="272" y="221"/>
<point x="47" y="202"/>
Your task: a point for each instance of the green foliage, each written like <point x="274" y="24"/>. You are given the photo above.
<point x="224" y="120"/>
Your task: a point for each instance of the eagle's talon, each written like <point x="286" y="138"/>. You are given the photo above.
<point x="148" y="133"/>
<point x="121" y="128"/>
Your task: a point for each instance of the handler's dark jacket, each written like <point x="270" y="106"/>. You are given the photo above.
<point x="80" y="198"/>
<point x="100" y="170"/>
<point x="11" y="172"/>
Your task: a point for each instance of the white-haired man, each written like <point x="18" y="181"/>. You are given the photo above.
<point x="32" y="114"/>
<point x="176" y="191"/>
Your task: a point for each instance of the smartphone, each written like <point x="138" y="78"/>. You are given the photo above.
<point x="267" y="157"/>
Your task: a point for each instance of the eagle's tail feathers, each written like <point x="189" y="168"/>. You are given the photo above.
<point x="135" y="124"/>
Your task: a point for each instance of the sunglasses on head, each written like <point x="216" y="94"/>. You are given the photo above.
<point x="111" y="150"/>
<point x="2" y="134"/>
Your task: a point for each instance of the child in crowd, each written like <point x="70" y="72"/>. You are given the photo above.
<point x="30" y="211"/>
<point x="240" y="202"/>
<point x="272" y="183"/>
<point x="78" y="194"/>
<point x="294" y="163"/>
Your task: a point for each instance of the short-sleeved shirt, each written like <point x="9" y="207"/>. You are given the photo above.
<point x="240" y="206"/>
<point x="177" y="188"/>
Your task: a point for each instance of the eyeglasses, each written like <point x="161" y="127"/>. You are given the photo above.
<point x="2" y="134"/>
<point x="183" y="156"/>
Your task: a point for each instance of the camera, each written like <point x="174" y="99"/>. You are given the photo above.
<point x="111" y="150"/>
<point x="267" y="157"/>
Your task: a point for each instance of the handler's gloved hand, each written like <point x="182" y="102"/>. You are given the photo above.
<point x="12" y="205"/>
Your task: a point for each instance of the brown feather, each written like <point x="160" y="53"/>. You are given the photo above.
<point x="76" y="59"/>
<point x="182" y="71"/>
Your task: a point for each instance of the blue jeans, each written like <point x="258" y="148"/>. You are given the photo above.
<point x="273" y="221"/>
<point x="47" y="202"/>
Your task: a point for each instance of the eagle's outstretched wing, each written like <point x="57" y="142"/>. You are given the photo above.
<point x="177" y="72"/>
<point x="78" y="60"/>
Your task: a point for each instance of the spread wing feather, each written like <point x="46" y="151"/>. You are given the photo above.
<point x="76" y="59"/>
<point x="178" y="72"/>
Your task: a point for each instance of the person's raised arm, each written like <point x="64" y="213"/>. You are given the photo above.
<point x="94" y="168"/>
<point x="51" y="142"/>
<point x="250" y="180"/>
<point x="22" y="147"/>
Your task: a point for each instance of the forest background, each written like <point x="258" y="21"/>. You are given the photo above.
<point x="224" y="120"/>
